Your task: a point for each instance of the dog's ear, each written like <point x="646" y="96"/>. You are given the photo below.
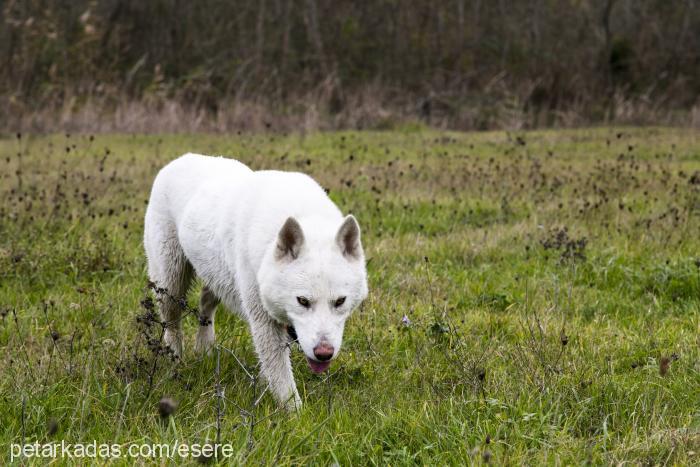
<point x="348" y="238"/>
<point x="289" y="240"/>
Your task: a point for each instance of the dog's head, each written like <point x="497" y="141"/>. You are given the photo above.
<point x="311" y="280"/>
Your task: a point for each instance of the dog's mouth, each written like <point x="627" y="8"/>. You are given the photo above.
<point x="318" y="367"/>
<point x="292" y="333"/>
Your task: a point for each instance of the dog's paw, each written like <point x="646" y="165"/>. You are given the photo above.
<point x="293" y="404"/>
<point x="205" y="341"/>
<point x="173" y="339"/>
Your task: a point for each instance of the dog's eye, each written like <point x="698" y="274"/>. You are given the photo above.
<point x="303" y="301"/>
<point x="339" y="302"/>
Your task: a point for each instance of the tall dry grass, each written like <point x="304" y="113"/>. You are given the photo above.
<point x="372" y="107"/>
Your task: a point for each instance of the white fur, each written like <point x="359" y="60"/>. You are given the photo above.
<point x="217" y="218"/>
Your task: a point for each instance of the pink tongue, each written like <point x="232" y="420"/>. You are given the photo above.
<point x="318" y="367"/>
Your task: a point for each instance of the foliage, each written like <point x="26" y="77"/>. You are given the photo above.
<point x="460" y="63"/>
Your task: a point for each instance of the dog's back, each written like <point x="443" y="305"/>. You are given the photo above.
<point x="181" y="179"/>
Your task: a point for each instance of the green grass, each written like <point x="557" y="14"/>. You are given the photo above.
<point x="551" y="280"/>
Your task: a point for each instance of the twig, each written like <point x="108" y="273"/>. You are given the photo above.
<point x="329" y="396"/>
<point x="52" y="331"/>
<point x="121" y="414"/>
<point x="244" y="413"/>
<point x="218" y="401"/>
<point x="152" y="373"/>
<point x="255" y="404"/>
<point x="251" y="416"/>
<point x="70" y="357"/>
<point x="277" y="411"/>
<point x="430" y="285"/>
<point x="19" y="162"/>
<point x="24" y="347"/>
<point x="312" y="432"/>
<point x="24" y="430"/>
<point x="280" y="445"/>
<point x="250" y="376"/>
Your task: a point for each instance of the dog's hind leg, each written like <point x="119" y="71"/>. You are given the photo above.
<point x="169" y="270"/>
<point x="207" y="308"/>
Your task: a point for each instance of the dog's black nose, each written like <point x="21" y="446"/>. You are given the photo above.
<point x="292" y="333"/>
<point x="323" y="352"/>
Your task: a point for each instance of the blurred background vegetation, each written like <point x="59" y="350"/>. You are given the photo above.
<point x="219" y="65"/>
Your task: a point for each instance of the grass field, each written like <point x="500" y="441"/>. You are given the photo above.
<point x="534" y="298"/>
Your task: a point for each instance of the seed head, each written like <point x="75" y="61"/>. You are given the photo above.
<point x="166" y="407"/>
<point x="51" y="426"/>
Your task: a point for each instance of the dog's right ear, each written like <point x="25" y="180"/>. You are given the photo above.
<point x="289" y="240"/>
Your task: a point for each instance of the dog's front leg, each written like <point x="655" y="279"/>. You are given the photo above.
<point x="272" y="347"/>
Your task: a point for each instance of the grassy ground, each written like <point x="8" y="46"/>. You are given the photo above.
<point x="535" y="298"/>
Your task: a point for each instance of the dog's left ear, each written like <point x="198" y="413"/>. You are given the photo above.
<point x="348" y="238"/>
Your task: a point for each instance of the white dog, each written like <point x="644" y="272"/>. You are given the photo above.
<point x="268" y="244"/>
